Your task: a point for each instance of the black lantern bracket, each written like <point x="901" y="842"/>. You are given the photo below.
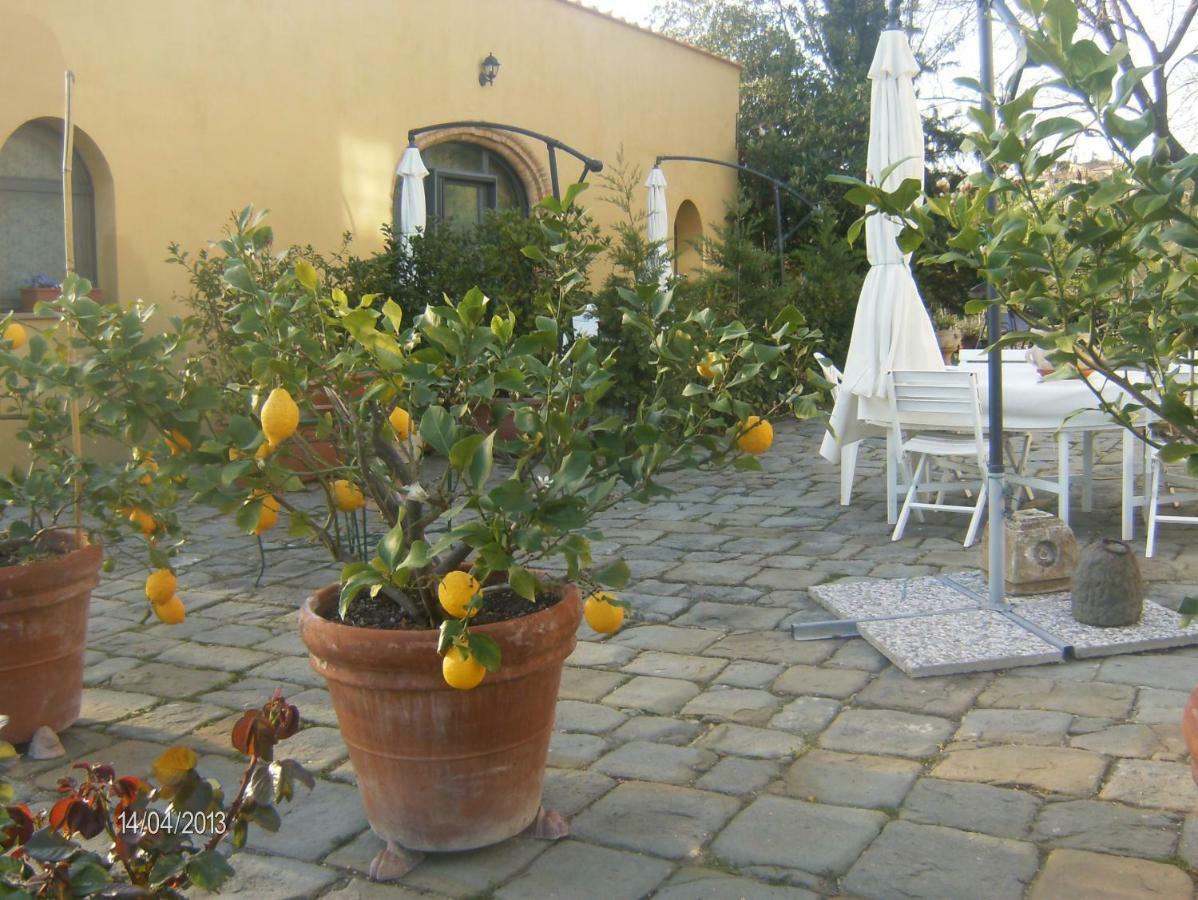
<point x="779" y="186"/>
<point x="552" y="144"/>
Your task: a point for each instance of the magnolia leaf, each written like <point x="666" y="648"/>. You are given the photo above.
<point x="173" y="763"/>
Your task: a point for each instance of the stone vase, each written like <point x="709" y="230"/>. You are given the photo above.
<point x="1107" y="590"/>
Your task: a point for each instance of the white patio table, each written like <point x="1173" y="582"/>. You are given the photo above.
<point x="1062" y="408"/>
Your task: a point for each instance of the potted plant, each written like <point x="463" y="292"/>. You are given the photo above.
<point x="120" y="836"/>
<point x="444" y="639"/>
<point x="948" y="333"/>
<point x="44" y="289"/>
<point x="49" y="561"/>
<point x="972" y="329"/>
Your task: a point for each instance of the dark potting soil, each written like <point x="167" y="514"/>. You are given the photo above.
<point x="21" y="553"/>
<point x="381" y="612"/>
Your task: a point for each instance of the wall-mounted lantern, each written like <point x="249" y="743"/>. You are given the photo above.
<point x="490" y="68"/>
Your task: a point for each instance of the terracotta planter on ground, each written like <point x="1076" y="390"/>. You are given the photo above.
<point x="438" y="768"/>
<point x="1189" y="730"/>
<point x="43" y="635"/>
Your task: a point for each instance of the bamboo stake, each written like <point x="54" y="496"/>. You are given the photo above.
<point x="68" y="227"/>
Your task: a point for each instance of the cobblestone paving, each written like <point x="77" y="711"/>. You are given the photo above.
<point x="701" y="752"/>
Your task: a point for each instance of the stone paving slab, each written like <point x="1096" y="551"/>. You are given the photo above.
<point x="972" y="640"/>
<point x="763" y="766"/>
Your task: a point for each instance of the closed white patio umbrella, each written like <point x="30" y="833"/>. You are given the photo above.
<point x="411" y="174"/>
<point x="891" y="329"/>
<point x="658" y="226"/>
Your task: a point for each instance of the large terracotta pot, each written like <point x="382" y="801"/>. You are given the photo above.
<point x="1189" y="730"/>
<point x="43" y="635"/>
<point x="438" y="768"/>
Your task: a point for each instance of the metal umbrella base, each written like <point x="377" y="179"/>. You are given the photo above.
<point x="946" y="624"/>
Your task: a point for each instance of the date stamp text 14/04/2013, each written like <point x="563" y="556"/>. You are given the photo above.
<point x="170" y="821"/>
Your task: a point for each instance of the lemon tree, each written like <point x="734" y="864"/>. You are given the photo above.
<point x="443" y="458"/>
<point x="134" y="388"/>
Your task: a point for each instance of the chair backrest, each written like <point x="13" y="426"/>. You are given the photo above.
<point x="831" y="374"/>
<point x="936" y="401"/>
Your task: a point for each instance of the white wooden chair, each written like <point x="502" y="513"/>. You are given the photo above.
<point x="1017" y="453"/>
<point x="937" y="416"/>
<point x="1169" y="485"/>
<point x="848" y="452"/>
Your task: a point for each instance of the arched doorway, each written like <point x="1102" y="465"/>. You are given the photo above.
<point x="688" y="239"/>
<point x="474" y="169"/>
<point x="31" y="226"/>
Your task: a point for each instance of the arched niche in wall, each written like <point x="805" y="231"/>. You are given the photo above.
<point x="688" y="239"/>
<point x="474" y="169"/>
<point x="31" y="224"/>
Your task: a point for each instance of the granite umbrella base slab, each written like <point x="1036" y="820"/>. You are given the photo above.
<point x="945" y="624"/>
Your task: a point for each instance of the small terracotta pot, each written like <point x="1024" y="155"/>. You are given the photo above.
<point x="438" y="768"/>
<point x="1189" y="730"/>
<point x="43" y="635"/>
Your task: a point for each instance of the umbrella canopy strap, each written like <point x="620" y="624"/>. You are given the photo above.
<point x="778" y="185"/>
<point x="552" y="144"/>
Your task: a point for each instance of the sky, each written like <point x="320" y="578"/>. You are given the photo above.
<point x="1156" y="13"/>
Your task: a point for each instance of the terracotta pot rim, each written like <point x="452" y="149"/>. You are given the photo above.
<point x="326" y="596"/>
<point x="77" y="549"/>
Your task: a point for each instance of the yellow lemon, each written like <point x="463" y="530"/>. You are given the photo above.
<point x="265" y="449"/>
<point x="171" y="612"/>
<point x="455" y="591"/>
<point x="706" y="369"/>
<point x="461" y="672"/>
<point x="143" y="520"/>
<point x="269" y="516"/>
<point x="161" y="585"/>
<point x="14" y="333"/>
<point x="177" y="441"/>
<point x="401" y="422"/>
<point x="148" y="462"/>
<point x="601" y="614"/>
<point x="347" y="496"/>
<point x="280" y="416"/>
<point x="757" y="437"/>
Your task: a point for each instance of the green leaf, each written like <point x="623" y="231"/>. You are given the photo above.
<point x="482" y="461"/>
<point x="451" y="630"/>
<point x="523" y="582"/>
<point x="305" y="272"/>
<point x="437" y="429"/>
<point x="614" y="574"/>
<point x="461" y="453"/>
<point x="748" y="464"/>
<point x="266" y="817"/>
<point x="49" y="846"/>
<point x="485" y="650"/>
<point x="418" y="556"/>
<point x="390" y="546"/>
<point x="394" y="314"/>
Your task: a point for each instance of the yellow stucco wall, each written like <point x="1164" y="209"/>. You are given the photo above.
<point x="303" y="106"/>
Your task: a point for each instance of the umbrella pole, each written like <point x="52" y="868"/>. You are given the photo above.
<point x="994" y="471"/>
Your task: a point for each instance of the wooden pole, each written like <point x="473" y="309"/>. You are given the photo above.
<point x="68" y="228"/>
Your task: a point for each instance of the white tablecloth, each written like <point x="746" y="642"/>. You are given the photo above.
<point x="1033" y="404"/>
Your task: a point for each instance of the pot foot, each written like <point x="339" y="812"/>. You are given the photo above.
<point x="393" y="862"/>
<point x="549" y="825"/>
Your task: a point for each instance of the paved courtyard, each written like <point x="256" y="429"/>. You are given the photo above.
<point x="701" y="752"/>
